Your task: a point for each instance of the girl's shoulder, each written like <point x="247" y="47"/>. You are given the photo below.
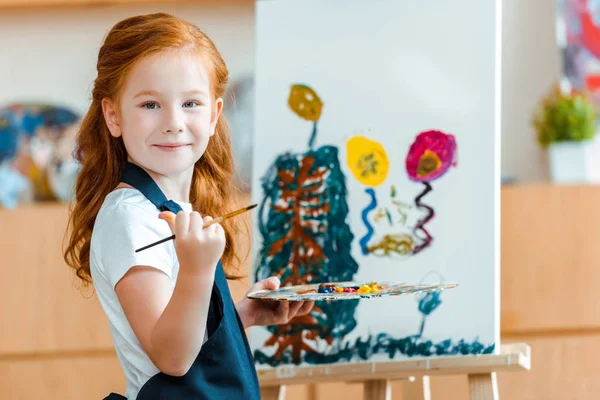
<point x="127" y="209"/>
<point x="127" y="221"/>
<point x="125" y="199"/>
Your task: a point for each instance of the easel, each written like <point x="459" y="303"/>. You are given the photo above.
<point x="481" y="372"/>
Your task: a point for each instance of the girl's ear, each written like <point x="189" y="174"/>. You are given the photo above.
<point x="111" y="117"/>
<point x="216" y="113"/>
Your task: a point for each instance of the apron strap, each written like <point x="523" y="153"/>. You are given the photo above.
<point x="138" y="178"/>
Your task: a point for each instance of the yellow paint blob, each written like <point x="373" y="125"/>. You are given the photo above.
<point x="364" y="289"/>
<point x="367" y="160"/>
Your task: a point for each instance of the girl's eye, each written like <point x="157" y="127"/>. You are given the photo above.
<point x="151" y="105"/>
<point x="190" y="104"/>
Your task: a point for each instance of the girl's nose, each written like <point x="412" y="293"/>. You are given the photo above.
<point x="173" y="123"/>
<point x="171" y="130"/>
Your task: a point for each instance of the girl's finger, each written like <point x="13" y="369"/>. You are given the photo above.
<point x="196" y="223"/>
<point x="215" y="229"/>
<point x="306" y="308"/>
<point x="294" y="309"/>
<point x="296" y="305"/>
<point x="210" y="229"/>
<point x="283" y="310"/>
<point x="182" y="223"/>
<point x="169" y="217"/>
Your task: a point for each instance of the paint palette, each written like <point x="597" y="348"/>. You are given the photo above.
<point x="345" y="291"/>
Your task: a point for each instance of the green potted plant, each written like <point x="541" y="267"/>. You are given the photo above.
<point x="565" y="124"/>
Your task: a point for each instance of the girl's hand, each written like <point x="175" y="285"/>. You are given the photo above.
<point x="198" y="249"/>
<point x="268" y="312"/>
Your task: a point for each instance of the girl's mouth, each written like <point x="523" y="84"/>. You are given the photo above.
<point x="170" y="147"/>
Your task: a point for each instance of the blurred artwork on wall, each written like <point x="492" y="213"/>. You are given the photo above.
<point x="239" y="111"/>
<point x="36" y="153"/>
<point x="578" y="37"/>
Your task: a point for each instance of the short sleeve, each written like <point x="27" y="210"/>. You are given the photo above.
<point x="120" y="230"/>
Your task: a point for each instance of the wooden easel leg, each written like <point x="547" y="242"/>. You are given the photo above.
<point x="378" y="390"/>
<point x="272" y="392"/>
<point x="312" y="391"/>
<point x="483" y="386"/>
<point x="417" y="389"/>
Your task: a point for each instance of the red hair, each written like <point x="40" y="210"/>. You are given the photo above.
<point x="103" y="157"/>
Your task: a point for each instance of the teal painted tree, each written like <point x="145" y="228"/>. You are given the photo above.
<point x="306" y="239"/>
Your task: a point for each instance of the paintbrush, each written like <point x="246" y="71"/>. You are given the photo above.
<point x="209" y="223"/>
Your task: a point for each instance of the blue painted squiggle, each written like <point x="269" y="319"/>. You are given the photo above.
<point x="365" y="213"/>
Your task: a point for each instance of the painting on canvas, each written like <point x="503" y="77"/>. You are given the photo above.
<point x="376" y="159"/>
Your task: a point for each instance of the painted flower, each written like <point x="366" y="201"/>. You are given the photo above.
<point x="368" y="160"/>
<point x="305" y="102"/>
<point x="429" y="303"/>
<point x="430" y="156"/>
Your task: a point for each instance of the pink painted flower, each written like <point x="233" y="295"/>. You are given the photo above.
<point x="430" y="156"/>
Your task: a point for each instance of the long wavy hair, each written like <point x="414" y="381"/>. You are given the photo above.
<point x="103" y="157"/>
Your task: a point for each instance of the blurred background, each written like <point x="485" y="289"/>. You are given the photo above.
<point x="54" y="338"/>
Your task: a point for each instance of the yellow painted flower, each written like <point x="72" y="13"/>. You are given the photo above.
<point x="305" y="102"/>
<point x="367" y="160"/>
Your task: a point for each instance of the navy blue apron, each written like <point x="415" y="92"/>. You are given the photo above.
<point x="224" y="369"/>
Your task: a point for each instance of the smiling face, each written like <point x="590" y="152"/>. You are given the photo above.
<point x="166" y="113"/>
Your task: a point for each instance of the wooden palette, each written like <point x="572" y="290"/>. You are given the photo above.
<point x="310" y="292"/>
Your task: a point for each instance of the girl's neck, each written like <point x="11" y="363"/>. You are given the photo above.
<point x="175" y="187"/>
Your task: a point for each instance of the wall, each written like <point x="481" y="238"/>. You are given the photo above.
<point x="530" y="66"/>
<point x="49" y="54"/>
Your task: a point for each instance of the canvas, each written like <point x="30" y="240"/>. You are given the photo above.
<point x="376" y="158"/>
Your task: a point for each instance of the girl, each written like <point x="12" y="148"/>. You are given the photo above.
<point x="154" y="146"/>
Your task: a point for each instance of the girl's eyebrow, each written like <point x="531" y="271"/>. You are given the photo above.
<point x="195" y="92"/>
<point x="155" y="93"/>
<point x="146" y="93"/>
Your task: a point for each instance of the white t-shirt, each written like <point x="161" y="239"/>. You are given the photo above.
<point x="127" y="221"/>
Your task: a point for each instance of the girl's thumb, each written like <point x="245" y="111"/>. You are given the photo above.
<point x="169" y="217"/>
<point x="271" y="283"/>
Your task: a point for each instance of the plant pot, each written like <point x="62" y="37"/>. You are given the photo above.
<point x="575" y="162"/>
